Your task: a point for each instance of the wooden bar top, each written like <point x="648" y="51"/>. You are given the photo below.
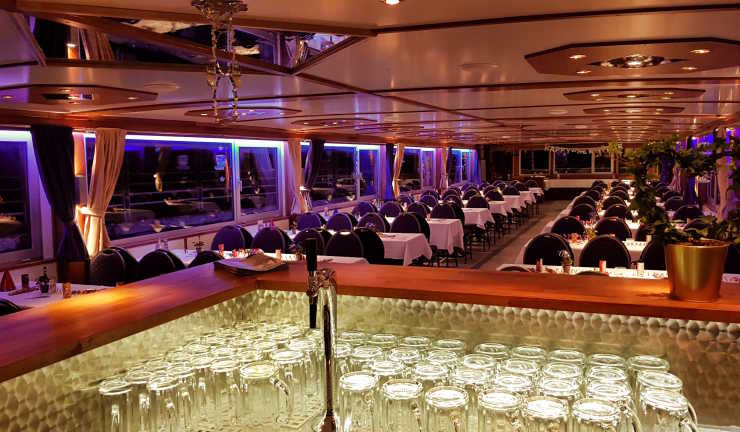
<point x="40" y="336"/>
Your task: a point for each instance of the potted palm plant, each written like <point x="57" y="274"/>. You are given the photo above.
<point x="695" y="257"/>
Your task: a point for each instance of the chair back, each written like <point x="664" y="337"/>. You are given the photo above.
<point x="605" y="247"/>
<point x="310" y="233"/>
<point x="618" y="210"/>
<point x="611" y="200"/>
<point x="732" y="262"/>
<point x="450" y="192"/>
<point x="454" y="199"/>
<point x="696" y="224"/>
<point x="661" y="190"/>
<point x="391" y="209"/>
<point x="687" y="212"/>
<point x="584" y="199"/>
<point x="494" y="195"/>
<point x="567" y="225"/>
<point x="431" y="192"/>
<point x="132" y="265"/>
<point x="478" y="202"/>
<point x="363" y="207"/>
<point x="521" y="187"/>
<point x="531" y="183"/>
<point x="107" y="268"/>
<point x="377" y="221"/>
<point x="547" y="247"/>
<point x="231" y="237"/>
<point x="594" y="194"/>
<point x="309" y="220"/>
<point x="583" y="211"/>
<point x="642" y="233"/>
<point x="598" y="183"/>
<point x="155" y="263"/>
<point x="511" y="190"/>
<point x="346" y="244"/>
<point x="372" y="245"/>
<point x="613" y="225"/>
<point x="205" y="257"/>
<point x="340" y="222"/>
<point x="653" y="256"/>
<point x="270" y="240"/>
<point x="419" y="208"/>
<point x="516" y="268"/>
<point x="423" y="224"/>
<point x="179" y="265"/>
<point x="673" y="203"/>
<point x="443" y="211"/>
<point x="459" y="213"/>
<point x="429" y="200"/>
<point x="470" y="193"/>
<point x="620" y="193"/>
<point x="405" y="199"/>
<point x="670" y="193"/>
<point x="406" y="223"/>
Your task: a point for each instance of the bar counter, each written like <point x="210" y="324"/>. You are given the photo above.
<point x="41" y="336"/>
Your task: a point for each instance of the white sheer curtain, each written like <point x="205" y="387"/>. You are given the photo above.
<point x="296" y="202"/>
<point x="397" y="164"/>
<point x="442" y="154"/>
<point x="109" y="147"/>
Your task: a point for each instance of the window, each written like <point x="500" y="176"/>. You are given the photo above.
<point x="532" y="161"/>
<point x="259" y="167"/>
<point x="20" y="225"/>
<point x="410" y="178"/>
<point x="368" y="169"/>
<point x="169" y="184"/>
<point x="458" y="166"/>
<point x="427" y="168"/>
<point x="572" y="162"/>
<point x="603" y="162"/>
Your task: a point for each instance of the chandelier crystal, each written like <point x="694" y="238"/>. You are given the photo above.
<point x="220" y="14"/>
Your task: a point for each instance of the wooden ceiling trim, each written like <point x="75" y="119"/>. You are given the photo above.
<point x="21" y="25"/>
<point x="33" y="7"/>
<point x="558" y="16"/>
<point x="115" y="28"/>
<point x="313" y="61"/>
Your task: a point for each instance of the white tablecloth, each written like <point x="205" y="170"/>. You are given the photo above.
<point x="514" y="201"/>
<point x="446" y="234"/>
<point x="406" y="247"/>
<point x="621" y="273"/>
<point x="527" y="196"/>
<point x="499" y="207"/>
<point x="35" y="299"/>
<point x="477" y="216"/>
<point x="187" y="256"/>
<point x="634" y="247"/>
<point x="537" y="190"/>
<point x="633" y="226"/>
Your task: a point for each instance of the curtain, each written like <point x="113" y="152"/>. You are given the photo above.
<point x="443" y="154"/>
<point x="475" y="176"/>
<point x="54" y="150"/>
<point x="107" y="162"/>
<point x="294" y="177"/>
<point x="313" y="162"/>
<point x="666" y="171"/>
<point x="397" y="164"/>
<point x="388" y="173"/>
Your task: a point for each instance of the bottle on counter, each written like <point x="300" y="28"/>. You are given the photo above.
<point x="43" y="282"/>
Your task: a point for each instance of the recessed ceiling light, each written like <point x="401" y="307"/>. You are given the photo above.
<point x="391" y="2"/>
<point x="595" y="94"/>
<point x="689" y="68"/>
<point x="505" y="137"/>
<point x="132" y="97"/>
<point x="282" y="113"/>
<point x="250" y="110"/>
<point x="65" y="90"/>
<point x="665" y="97"/>
<point x="482" y="66"/>
<point x="631" y="96"/>
<point x="305" y="123"/>
<point x="558" y="111"/>
<point x="7" y="97"/>
<point x="71" y="45"/>
<point x="700" y="51"/>
<point x="668" y="93"/>
<point x="633" y="110"/>
<point x="606" y="110"/>
<point x="580" y="126"/>
<point x="583" y="72"/>
<point x="600" y="99"/>
<point x="577" y="56"/>
<point x="203" y="114"/>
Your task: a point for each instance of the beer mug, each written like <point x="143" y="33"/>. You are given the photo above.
<point x="499" y="411"/>
<point x="529" y="352"/>
<point x="516" y="366"/>
<point x="495" y="350"/>
<point x="164" y="406"/>
<point x="140" y="418"/>
<point x="596" y="415"/>
<point x="446" y="409"/>
<point x="455" y="345"/>
<point x="385" y="341"/>
<point x="116" y="396"/>
<point x="566" y="391"/>
<point x="473" y="381"/>
<point x="400" y="406"/>
<point x="357" y="402"/>
<point x="421" y="343"/>
<point x="446" y="358"/>
<point x="363" y="356"/>
<point x="293" y="367"/>
<point x="408" y="356"/>
<point x="262" y="390"/>
<point x="520" y="385"/>
<point x="563" y="371"/>
<point x="656" y="380"/>
<point x="642" y="363"/>
<point x="386" y="370"/>
<point x="480" y="362"/>
<point x="352" y="337"/>
<point x="618" y="393"/>
<point x="607" y="374"/>
<point x="665" y="411"/>
<point x="567" y="356"/>
<point x="430" y="375"/>
<point x="544" y="414"/>
<point x="603" y="359"/>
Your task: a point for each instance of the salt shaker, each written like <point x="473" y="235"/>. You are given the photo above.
<point x="602" y="266"/>
<point x="66" y="290"/>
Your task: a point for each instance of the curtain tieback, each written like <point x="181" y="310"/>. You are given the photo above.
<point x="87" y="211"/>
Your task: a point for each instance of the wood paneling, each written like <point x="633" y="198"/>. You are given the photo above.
<point x="37" y="337"/>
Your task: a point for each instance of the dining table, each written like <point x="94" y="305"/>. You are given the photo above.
<point x="634" y="247"/>
<point x="615" y="272"/>
<point x="515" y="202"/>
<point x="478" y="216"/>
<point x="187" y="256"/>
<point x="35" y="298"/>
<point x="444" y="234"/>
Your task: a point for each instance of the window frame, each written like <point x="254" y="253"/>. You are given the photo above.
<point x="39" y="209"/>
<point x="592" y="169"/>
<point x="433" y="153"/>
<point x="237" y="186"/>
<point x="533" y="170"/>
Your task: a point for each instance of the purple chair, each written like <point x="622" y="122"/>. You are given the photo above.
<point x="429" y="200"/>
<point x="340" y="222"/>
<point x="642" y="233"/>
<point x="607" y="248"/>
<point x="431" y="192"/>
<point x="107" y="268"/>
<point x="478" y="202"/>
<point x="594" y="194"/>
<point x="470" y="193"/>
<point x="449" y="193"/>
<point x="419" y="208"/>
<point x="454" y="199"/>
<point x="610" y="201"/>
<point x="615" y="226"/>
<point x="547" y="247"/>
<point x="531" y="183"/>
<point x="669" y="194"/>
<point x="378" y="222"/>
<point x="511" y="190"/>
<point x="309" y="220"/>
<point x="620" y="193"/>
<point x="363" y="207"/>
<point x="347" y="244"/>
<point x="155" y="263"/>
<point x="494" y="195"/>
<point x="406" y="223"/>
<point x="521" y="187"/>
<point x="310" y="233"/>
<point x="132" y="265"/>
<point x="205" y="257"/>
<point x="391" y="209"/>
<point x="443" y="211"/>
<point x="584" y="199"/>
<point x="688" y="212"/>
<point x="372" y="245"/>
<point x="583" y="211"/>
<point x="653" y="256"/>
<point x="673" y="203"/>
<point x="567" y="225"/>
<point x="405" y="199"/>
<point x="618" y="210"/>
<point x="270" y="240"/>
<point x="231" y="236"/>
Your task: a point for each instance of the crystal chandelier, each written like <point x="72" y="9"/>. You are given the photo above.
<point x="220" y="14"/>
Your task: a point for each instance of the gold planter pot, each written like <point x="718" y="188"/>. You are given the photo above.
<point x="695" y="271"/>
